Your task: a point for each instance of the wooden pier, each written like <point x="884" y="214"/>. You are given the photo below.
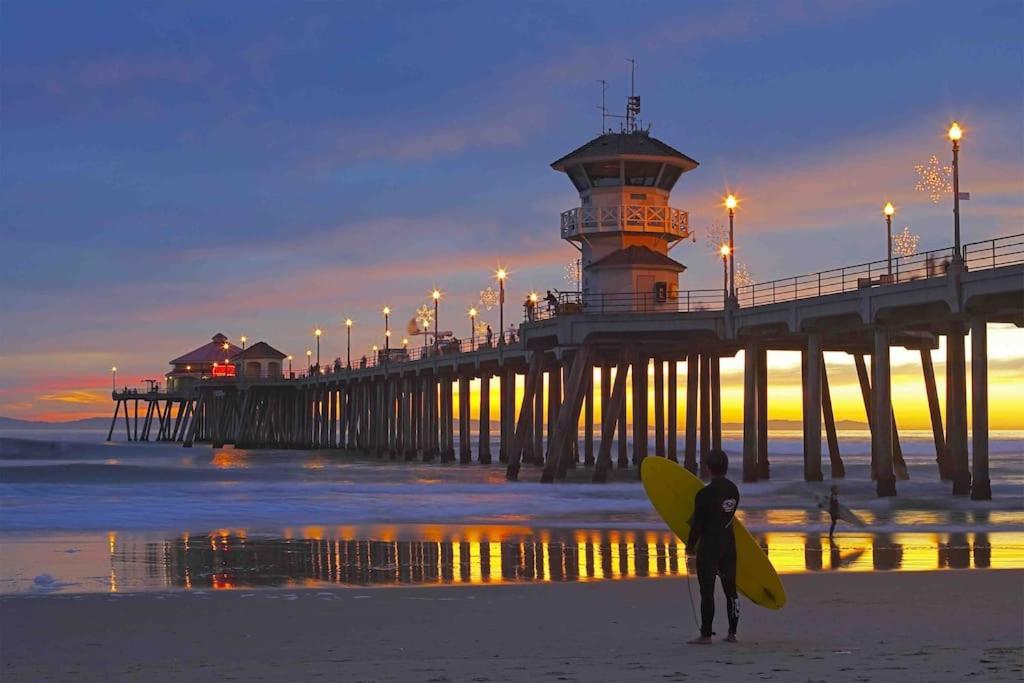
<point x="405" y="410"/>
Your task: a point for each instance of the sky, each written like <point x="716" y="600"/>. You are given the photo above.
<point x="172" y="170"/>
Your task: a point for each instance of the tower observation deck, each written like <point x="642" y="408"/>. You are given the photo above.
<point x="624" y="226"/>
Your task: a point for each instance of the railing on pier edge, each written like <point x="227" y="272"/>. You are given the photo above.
<point x="983" y="255"/>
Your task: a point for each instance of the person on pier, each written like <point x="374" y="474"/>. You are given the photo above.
<point x="712" y="539"/>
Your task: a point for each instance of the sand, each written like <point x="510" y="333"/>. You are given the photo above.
<point x="935" y="626"/>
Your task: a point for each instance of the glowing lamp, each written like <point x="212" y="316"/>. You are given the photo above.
<point x="954" y="132"/>
<point x="436" y="294"/>
<point x="501" y="274"/>
<point x="387" y="310"/>
<point x="889" y="209"/>
<point x="731" y="202"/>
<point x="724" y="250"/>
<point x="534" y="298"/>
<point x="472" y="313"/>
<point x="348" y="322"/>
<point x="113" y="369"/>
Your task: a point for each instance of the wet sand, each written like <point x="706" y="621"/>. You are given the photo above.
<point x="935" y="626"/>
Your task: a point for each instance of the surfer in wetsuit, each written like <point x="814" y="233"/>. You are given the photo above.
<point x="833" y="510"/>
<point x="712" y="539"/>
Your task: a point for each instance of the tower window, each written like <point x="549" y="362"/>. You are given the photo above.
<point x="669" y="177"/>
<point x="642" y="173"/>
<point x="604" y="173"/>
<point x="578" y="178"/>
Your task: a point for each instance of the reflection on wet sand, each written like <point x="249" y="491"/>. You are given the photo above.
<point x="492" y="555"/>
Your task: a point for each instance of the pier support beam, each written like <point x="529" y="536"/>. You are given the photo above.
<point x="623" y="440"/>
<point x="957" y="410"/>
<point x="465" y="449"/>
<point x="705" y="411"/>
<point x="813" y="361"/>
<point x="981" y="488"/>
<point x="559" y="450"/>
<point x="692" y="380"/>
<point x="588" y="419"/>
<point x="673" y="411"/>
<point x="716" y="402"/>
<point x="538" y="421"/>
<point x="838" y="470"/>
<point x="750" y="358"/>
<point x="610" y="411"/>
<point x="483" y="452"/>
<point x="881" y="406"/>
<point x="763" y="466"/>
<point x="524" y="426"/>
<point x="640" y="423"/>
<point x="659" y="407"/>
<point x="934" y="410"/>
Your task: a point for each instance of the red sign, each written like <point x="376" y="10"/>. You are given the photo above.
<point x="223" y="370"/>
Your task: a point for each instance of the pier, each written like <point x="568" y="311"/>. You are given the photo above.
<point x="631" y="325"/>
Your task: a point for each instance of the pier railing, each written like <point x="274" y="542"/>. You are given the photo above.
<point x="625" y="218"/>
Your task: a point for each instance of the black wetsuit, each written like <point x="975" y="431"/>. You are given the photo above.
<point x="711" y="532"/>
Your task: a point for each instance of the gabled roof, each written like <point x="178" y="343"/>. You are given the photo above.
<point x="260" y="350"/>
<point x="637" y="256"/>
<point x="208" y="353"/>
<point x="638" y="144"/>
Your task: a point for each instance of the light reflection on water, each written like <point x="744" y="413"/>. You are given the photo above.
<point x="439" y="555"/>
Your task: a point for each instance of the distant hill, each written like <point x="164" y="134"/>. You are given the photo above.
<point x="86" y="423"/>
<point x="797" y="424"/>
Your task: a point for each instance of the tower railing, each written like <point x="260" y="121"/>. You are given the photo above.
<point x="625" y="218"/>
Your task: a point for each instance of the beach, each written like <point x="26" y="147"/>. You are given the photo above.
<point x="882" y="626"/>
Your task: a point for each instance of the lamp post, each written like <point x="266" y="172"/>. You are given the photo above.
<point x="436" y="296"/>
<point x="113" y="378"/>
<point x="290" y="366"/>
<point x="955" y="133"/>
<point x="387" y="330"/>
<point x="501" y="275"/>
<point x="888" y="211"/>
<point x="316" y="333"/>
<point x="309" y="362"/>
<point x="472" y="329"/>
<point x="724" y="251"/>
<point x="244" y="339"/>
<point x="348" y="342"/>
<point x="730" y="203"/>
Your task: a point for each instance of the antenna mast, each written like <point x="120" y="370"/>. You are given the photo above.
<point x="633" y="103"/>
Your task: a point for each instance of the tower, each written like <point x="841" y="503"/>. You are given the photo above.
<point x="624" y="226"/>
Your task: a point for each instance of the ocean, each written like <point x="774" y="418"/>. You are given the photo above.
<point x="81" y="515"/>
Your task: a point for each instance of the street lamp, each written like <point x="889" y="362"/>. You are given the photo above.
<point x="113" y="378"/>
<point x="955" y="133"/>
<point x="290" y="366"/>
<point x="472" y="328"/>
<point x="889" y="211"/>
<point x="436" y="296"/>
<point x="387" y="330"/>
<point x="730" y="203"/>
<point x="348" y="342"/>
<point x="309" y="362"/>
<point x="724" y="251"/>
<point x="244" y="339"/>
<point x="316" y="333"/>
<point x="501" y="275"/>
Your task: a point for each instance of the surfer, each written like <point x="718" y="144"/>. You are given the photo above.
<point x="833" y="510"/>
<point x="712" y="539"/>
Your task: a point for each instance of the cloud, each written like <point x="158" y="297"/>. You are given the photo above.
<point x="79" y="397"/>
<point x="110" y="73"/>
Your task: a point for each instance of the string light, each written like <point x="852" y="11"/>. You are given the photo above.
<point x="905" y="243"/>
<point x="572" y="273"/>
<point x="934" y="179"/>
<point x="424" y="316"/>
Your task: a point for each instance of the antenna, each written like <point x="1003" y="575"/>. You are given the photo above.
<point x="633" y="103"/>
<point x="604" y="109"/>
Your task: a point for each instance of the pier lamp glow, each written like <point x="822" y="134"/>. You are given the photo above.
<point x="436" y="296"/>
<point x="317" y="333"/>
<point x="309" y="361"/>
<point x="955" y="133"/>
<point x="472" y="328"/>
<point x="290" y="358"/>
<point x="725" y="251"/>
<point x="501" y="275"/>
<point x="113" y="378"/>
<point x="730" y="203"/>
<point x="387" y="327"/>
<point x="244" y="339"/>
<point x="889" y="211"/>
<point x="348" y="342"/>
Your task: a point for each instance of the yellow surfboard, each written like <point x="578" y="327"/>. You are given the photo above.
<point x="673" y="490"/>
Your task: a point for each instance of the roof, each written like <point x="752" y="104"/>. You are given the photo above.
<point x="208" y="353"/>
<point x="259" y="350"/>
<point x="612" y="145"/>
<point x="637" y="256"/>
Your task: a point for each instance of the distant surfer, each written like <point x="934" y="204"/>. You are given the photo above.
<point x="833" y="510"/>
<point x="712" y="539"/>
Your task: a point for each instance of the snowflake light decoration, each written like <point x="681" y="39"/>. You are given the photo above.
<point x="480" y="329"/>
<point x="743" y="277"/>
<point x="717" y="235"/>
<point x="573" y="272"/>
<point x="424" y="317"/>
<point x="489" y="298"/>
<point x="905" y="243"/>
<point x="934" y="179"/>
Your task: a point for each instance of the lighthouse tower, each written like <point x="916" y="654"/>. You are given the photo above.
<point x="624" y="226"/>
